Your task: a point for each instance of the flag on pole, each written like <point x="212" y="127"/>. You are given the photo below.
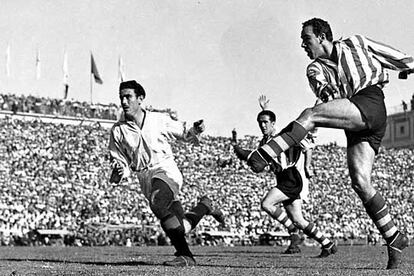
<point x="121" y="75"/>
<point x="8" y="61"/>
<point x="38" y="64"/>
<point x="94" y="71"/>
<point x="65" y="75"/>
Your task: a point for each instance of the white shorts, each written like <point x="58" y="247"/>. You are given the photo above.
<point x="166" y="171"/>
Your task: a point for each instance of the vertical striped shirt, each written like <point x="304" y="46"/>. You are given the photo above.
<point x="361" y="63"/>
<point x="290" y="157"/>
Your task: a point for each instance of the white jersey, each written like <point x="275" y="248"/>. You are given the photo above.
<point x="147" y="150"/>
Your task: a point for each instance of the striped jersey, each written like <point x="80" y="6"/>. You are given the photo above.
<point x="290" y="157"/>
<point x="360" y="63"/>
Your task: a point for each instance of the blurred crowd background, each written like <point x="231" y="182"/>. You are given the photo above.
<point x="54" y="176"/>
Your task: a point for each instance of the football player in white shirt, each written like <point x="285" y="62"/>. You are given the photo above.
<point x="139" y="143"/>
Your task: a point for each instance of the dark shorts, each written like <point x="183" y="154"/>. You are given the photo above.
<point x="370" y="101"/>
<point x="289" y="182"/>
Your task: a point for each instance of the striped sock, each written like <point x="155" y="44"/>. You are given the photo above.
<point x="288" y="137"/>
<point x="312" y="232"/>
<point x="283" y="218"/>
<point x="378" y="212"/>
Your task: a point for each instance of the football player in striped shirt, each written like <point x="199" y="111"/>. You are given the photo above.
<point x="140" y="143"/>
<point x="348" y="75"/>
<point x="292" y="187"/>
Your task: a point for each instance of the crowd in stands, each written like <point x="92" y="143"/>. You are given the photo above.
<point x="65" y="107"/>
<point x="55" y="176"/>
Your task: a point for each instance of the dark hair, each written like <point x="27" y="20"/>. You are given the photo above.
<point x="319" y="26"/>
<point x="132" y="84"/>
<point x="269" y="113"/>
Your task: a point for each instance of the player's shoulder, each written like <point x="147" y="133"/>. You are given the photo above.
<point x="314" y="68"/>
<point x="154" y="116"/>
<point x="117" y="126"/>
<point x="356" y="40"/>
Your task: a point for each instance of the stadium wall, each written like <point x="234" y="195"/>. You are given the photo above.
<point x="400" y="130"/>
<point x="56" y="119"/>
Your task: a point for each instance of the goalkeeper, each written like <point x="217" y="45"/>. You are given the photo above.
<point x="292" y="185"/>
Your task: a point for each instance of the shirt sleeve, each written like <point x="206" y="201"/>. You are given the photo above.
<point x="178" y="130"/>
<point x="316" y="78"/>
<point x="115" y="150"/>
<point x="389" y="57"/>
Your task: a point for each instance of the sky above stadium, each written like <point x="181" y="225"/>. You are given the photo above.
<point x="205" y="59"/>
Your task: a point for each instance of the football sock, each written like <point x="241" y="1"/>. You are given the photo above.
<point x="288" y="137"/>
<point x="378" y="212"/>
<point x="175" y="231"/>
<point x="283" y="218"/>
<point x="196" y="214"/>
<point x="312" y="232"/>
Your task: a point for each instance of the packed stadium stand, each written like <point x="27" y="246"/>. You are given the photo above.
<point x="54" y="176"/>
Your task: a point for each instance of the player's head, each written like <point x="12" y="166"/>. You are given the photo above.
<point x="266" y="120"/>
<point x="131" y="95"/>
<point x="315" y="34"/>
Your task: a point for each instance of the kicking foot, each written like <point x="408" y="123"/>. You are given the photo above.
<point x="181" y="261"/>
<point x="329" y="250"/>
<point x="395" y="249"/>
<point x="217" y="214"/>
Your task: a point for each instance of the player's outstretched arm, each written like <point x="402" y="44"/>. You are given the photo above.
<point x="263" y="102"/>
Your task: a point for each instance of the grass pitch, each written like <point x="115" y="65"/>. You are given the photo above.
<point x="258" y="260"/>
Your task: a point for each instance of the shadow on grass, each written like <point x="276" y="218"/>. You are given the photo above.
<point x="206" y="265"/>
<point x="129" y="263"/>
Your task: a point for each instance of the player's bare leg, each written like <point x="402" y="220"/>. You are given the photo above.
<point x="270" y="204"/>
<point x="360" y="162"/>
<point x="294" y="210"/>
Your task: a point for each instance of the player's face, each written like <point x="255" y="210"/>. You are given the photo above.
<point x="130" y="103"/>
<point x="311" y="43"/>
<point x="265" y="124"/>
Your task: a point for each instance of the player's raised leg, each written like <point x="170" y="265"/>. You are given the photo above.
<point x="203" y="207"/>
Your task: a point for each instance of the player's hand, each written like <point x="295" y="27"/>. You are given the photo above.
<point x="256" y="162"/>
<point x="234" y="137"/>
<point x="308" y="173"/>
<point x="263" y="102"/>
<point x="275" y="167"/>
<point x="242" y="154"/>
<point x="199" y="126"/>
<point x="116" y="174"/>
<point x="330" y="92"/>
<point x="403" y="75"/>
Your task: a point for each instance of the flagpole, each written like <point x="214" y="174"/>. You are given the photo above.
<point x="90" y="74"/>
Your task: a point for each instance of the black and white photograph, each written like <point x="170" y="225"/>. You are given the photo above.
<point x="206" y="137"/>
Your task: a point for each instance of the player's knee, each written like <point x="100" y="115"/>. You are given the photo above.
<point x="306" y="118"/>
<point x="159" y="204"/>
<point x="266" y="206"/>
